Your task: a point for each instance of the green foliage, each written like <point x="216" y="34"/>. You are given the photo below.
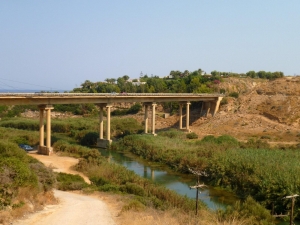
<point x="18" y="170"/>
<point x="69" y="182"/>
<point x="133" y="205"/>
<point x="89" y="139"/>
<point x="125" y="126"/>
<point x="224" y="101"/>
<point x="133" y="188"/>
<point x="251" y="210"/>
<point x="112" y="177"/>
<point x="16" y="110"/>
<point x="76" y="109"/>
<point x="134" y="109"/>
<point x="265" y="174"/>
<point x="192" y="135"/>
<point x="234" y="94"/>
<point x="44" y="174"/>
<point x="171" y="133"/>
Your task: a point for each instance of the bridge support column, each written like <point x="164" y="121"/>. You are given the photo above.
<point x="108" y="107"/>
<point x="216" y="105"/>
<point x="45" y="150"/>
<point x="48" y="125"/>
<point x="180" y="116"/>
<point x="188" y="116"/>
<point x="101" y="142"/>
<point x="146" y="118"/>
<point x="206" y="108"/>
<point x="101" y="123"/>
<point x="152" y="175"/>
<point x="153" y="118"/>
<point x="42" y="108"/>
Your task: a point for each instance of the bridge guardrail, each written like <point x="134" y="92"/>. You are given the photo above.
<point x="111" y="94"/>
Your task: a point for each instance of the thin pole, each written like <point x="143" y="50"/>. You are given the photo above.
<point x="292" y="211"/>
<point x="197" y="202"/>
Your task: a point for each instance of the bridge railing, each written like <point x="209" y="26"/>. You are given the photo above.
<point x="108" y="94"/>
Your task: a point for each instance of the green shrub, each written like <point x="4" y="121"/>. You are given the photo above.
<point x="132" y="188"/>
<point x="70" y="182"/>
<point x="44" y="174"/>
<point x="119" y="112"/>
<point x="192" y="135"/>
<point x="249" y="209"/>
<point x="89" y="139"/>
<point x="224" y="101"/>
<point x="172" y="133"/>
<point x="134" y="205"/>
<point x="234" y="94"/>
<point x="134" y="109"/>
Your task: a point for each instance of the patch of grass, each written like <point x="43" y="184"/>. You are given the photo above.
<point x="67" y="182"/>
<point x="192" y="136"/>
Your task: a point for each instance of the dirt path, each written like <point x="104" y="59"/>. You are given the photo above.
<point x="73" y="208"/>
<point x="59" y="164"/>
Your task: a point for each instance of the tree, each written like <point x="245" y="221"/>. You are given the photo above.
<point x="126" y="77"/>
<point x="214" y="73"/>
<point x="262" y="74"/>
<point x="251" y="74"/>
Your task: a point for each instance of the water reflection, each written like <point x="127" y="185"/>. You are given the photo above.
<point x="180" y="183"/>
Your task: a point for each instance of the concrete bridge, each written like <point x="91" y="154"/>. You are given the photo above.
<point x="45" y="102"/>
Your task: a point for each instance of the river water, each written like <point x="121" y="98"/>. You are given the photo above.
<point x="177" y="182"/>
<point x="214" y="198"/>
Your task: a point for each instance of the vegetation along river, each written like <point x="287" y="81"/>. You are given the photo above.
<point x="178" y="182"/>
<point x="214" y="198"/>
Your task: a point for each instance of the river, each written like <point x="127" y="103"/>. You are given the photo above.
<point x="214" y="198"/>
<point x="180" y="183"/>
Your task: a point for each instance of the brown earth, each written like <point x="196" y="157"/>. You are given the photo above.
<point x="268" y="110"/>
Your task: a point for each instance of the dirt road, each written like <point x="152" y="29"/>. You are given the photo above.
<point x="73" y="208"/>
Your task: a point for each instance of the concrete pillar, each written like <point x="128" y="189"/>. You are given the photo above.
<point x="153" y="118"/>
<point x="146" y="118"/>
<point x="188" y="115"/>
<point x="101" y="123"/>
<point x="216" y="105"/>
<point x="42" y="108"/>
<point x="180" y="116"/>
<point x="48" y="126"/>
<point x="152" y="175"/>
<point x="108" y="123"/>
<point x="206" y="108"/>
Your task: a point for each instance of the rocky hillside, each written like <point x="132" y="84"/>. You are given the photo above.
<point x="267" y="110"/>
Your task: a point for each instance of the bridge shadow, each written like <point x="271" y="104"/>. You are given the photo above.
<point x="195" y="115"/>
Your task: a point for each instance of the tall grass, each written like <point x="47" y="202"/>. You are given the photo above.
<point x="265" y="174"/>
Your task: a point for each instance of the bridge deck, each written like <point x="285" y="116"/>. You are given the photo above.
<point x="97" y="98"/>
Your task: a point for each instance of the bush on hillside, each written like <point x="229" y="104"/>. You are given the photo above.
<point x="192" y="135"/>
<point x="70" y="182"/>
<point x="234" y="94"/>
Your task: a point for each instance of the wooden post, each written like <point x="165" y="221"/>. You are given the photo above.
<point x="198" y="185"/>
<point x="292" y="207"/>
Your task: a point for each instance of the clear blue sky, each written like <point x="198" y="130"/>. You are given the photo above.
<point x="58" y="44"/>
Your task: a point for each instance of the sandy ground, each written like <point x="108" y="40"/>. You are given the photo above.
<point x="59" y="163"/>
<point x="73" y="208"/>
